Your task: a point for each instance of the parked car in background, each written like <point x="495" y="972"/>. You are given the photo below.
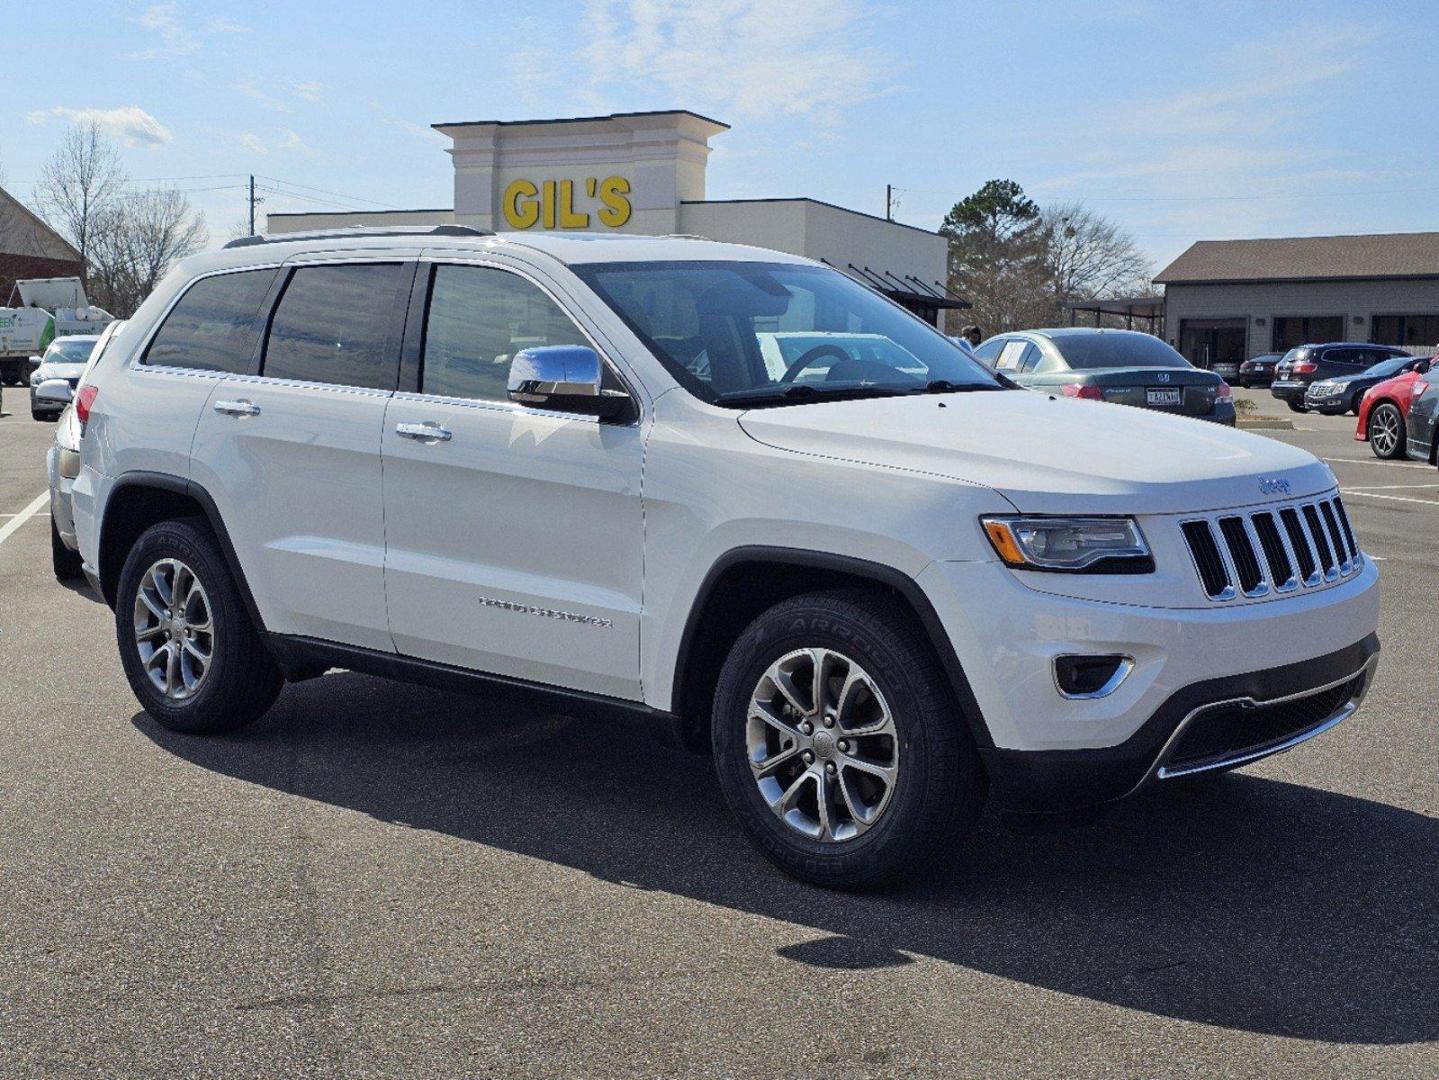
<point x="1384" y="413"/>
<point x="1344" y="393"/>
<point x="1422" y="435"/>
<point x="1259" y="370"/>
<point x="1314" y="363"/>
<point x="64" y="359"/>
<point x="1228" y="370"/>
<point x="1125" y="367"/>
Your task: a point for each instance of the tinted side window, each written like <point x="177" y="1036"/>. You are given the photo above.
<point x="212" y="326"/>
<point x="479" y="318"/>
<point x="333" y="325"/>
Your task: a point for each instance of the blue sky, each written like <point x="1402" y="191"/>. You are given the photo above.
<point x="1181" y="121"/>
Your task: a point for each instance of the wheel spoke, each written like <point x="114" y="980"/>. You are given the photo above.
<point x="768" y="766"/>
<point x="191" y="648"/>
<point x="148" y="632"/>
<point x="824" y="784"/>
<point x="792" y="793"/>
<point x="763" y="711"/>
<point x="784" y="683"/>
<point x="157" y="610"/>
<point x="873" y="768"/>
<point x="858" y="812"/>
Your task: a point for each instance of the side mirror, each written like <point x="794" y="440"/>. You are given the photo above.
<point x="566" y="378"/>
<point x="35" y="361"/>
<point x="54" y="391"/>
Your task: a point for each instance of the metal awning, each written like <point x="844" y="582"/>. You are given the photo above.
<point x="1129" y="308"/>
<point x="907" y="289"/>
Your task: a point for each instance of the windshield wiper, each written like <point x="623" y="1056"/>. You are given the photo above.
<point x="945" y="386"/>
<point x="806" y="392"/>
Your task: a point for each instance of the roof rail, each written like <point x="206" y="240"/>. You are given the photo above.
<point x="357" y="231"/>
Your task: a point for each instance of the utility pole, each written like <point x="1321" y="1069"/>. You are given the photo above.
<point x="252" y="204"/>
<point x="888" y="201"/>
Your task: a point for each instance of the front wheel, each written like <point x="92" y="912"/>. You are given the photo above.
<point x="838" y="743"/>
<point x="1297" y="406"/>
<point x="1386" y="431"/>
<point x="190" y="652"/>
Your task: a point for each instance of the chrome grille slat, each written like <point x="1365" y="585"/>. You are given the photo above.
<point x="1274" y="550"/>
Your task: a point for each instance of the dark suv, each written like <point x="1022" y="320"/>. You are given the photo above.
<point x="1309" y="363"/>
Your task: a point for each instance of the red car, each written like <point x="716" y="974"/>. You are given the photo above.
<point x="1383" y="414"/>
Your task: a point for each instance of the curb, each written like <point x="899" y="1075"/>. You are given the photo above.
<point x="1265" y="423"/>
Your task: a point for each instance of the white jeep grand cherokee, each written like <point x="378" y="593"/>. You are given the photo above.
<point x="722" y="486"/>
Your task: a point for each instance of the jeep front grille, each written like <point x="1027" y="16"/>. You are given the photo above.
<point x="1260" y="552"/>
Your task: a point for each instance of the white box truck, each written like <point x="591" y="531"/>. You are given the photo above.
<point x="43" y="309"/>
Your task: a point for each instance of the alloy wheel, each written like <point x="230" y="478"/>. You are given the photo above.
<point x="174" y="629"/>
<point x="822" y="745"/>
<point x="1384" y="430"/>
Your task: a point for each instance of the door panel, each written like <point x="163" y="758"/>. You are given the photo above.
<point x="294" y="463"/>
<point x="514" y="544"/>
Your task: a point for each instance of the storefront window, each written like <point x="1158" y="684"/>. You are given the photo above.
<point x="1293" y="330"/>
<point x="1405" y="330"/>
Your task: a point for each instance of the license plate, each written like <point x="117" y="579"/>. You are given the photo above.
<point x="1162" y="397"/>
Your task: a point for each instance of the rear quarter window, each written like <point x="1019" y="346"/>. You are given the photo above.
<point x="212" y="327"/>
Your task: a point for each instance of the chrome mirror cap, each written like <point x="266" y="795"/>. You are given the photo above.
<point x="569" y="378"/>
<point x="54" y="391"/>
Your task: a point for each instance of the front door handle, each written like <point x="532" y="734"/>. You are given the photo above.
<point x="237" y="408"/>
<point x="429" y="432"/>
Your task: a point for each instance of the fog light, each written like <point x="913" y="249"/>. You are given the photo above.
<point x="1086" y="677"/>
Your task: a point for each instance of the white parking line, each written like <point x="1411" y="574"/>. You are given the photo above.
<point x="1391" y="487"/>
<point x="1377" y="461"/>
<point x="24" y="515"/>
<point x="1391" y="498"/>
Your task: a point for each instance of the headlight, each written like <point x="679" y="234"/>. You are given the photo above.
<point x="1095" y="545"/>
<point x="35" y="379"/>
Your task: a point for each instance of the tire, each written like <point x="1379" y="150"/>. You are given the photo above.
<point x="1296" y="406"/>
<point x="239" y="681"/>
<point x="1354" y="404"/>
<point x="937" y="787"/>
<point x="1381" y="426"/>
<point x="65" y="562"/>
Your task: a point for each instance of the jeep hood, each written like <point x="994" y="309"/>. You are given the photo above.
<point x="1048" y="454"/>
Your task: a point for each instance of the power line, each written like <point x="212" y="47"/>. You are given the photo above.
<point x="1205" y="198"/>
<point x="326" y="191"/>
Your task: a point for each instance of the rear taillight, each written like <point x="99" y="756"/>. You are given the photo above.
<point x="1089" y="393"/>
<point x="1304" y="367"/>
<point x="85" y="398"/>
<point x="1224" y="390"/>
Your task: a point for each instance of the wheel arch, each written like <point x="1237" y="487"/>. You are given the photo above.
<point x="141" y="499"/>
<point x="746" y="581"/>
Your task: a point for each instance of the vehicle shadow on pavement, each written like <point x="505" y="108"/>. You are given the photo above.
<point x="1248" y="904"/>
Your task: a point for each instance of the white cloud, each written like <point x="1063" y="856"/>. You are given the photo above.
<point x="290" y="140"/>
<point x="741" y="58"/>
<point x="253" y="143"/>
<point x="220" y="24"/>
<point x="130" y="124"/>
<point x="174" y="38"/>
<point x="309" y="91"/>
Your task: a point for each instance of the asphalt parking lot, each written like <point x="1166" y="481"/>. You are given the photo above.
<point x="379" y="880"/>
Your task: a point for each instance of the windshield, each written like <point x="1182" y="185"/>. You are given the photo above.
<point x="1393" y="366"/>
<point x="740" y="332"/>
<point x="70" y="352"/>
<point x="1116" y="350"/>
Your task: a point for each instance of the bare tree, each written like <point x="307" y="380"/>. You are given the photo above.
<point x="1089" y="256"/>
<point x="138" y="238"/>
<point x="80" y="183"/>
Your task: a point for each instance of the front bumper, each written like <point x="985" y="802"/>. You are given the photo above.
<point x="1337" y="401"/>
<point x="61" y="512"/>
<point x="1207" y="727"/>
<point x="1007" y="633"/>
<point x="1289" y="391"/>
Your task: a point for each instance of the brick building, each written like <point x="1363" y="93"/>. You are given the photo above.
<point x="31" y="249"/>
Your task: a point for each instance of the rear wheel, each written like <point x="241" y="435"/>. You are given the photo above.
<point x="1386" y="431"/>
<point x="66" y="563"/>
<point x="838" y="744"/>
<point x="190" y="652"/>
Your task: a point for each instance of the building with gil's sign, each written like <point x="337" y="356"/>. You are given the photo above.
<point x="645" y="173"/>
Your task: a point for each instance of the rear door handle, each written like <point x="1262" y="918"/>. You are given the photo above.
<point x="237" y="408"/>
<point x="426" y="432"/>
